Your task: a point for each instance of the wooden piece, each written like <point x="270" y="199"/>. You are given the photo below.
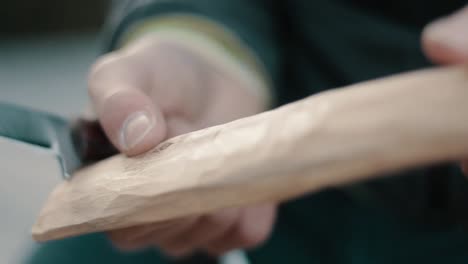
<point x="329" y="139"/>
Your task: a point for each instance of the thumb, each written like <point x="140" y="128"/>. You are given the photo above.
<point x="131" y="120"/>
<point x="445" y="41"/>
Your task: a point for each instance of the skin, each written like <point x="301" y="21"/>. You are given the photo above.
<point x="445" y="42"/>
<point x="180" y="91"/>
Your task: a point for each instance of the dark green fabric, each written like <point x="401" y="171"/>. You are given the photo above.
<point x="331" y="227"/>
<point x="89" y="249"/>
<point x="415" y="216"/>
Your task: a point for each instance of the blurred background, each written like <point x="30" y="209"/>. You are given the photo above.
<point x="46" y="48"/>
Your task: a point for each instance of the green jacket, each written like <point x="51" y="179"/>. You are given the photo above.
<point x="307" y="46"/>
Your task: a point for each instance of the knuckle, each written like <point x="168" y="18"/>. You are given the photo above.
<point x="176" y="252"/>
<point x="117" y="236"/>
<point x="220" y="219"/>
<point x="215" y="252"/>
<point x="123" y="244"/>
<point x="100" y="64"/>
<point x="249" y="237"/>
<point x="107" y="67"/>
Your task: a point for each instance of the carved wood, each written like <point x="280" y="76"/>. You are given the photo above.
<point x="329" y="139"/>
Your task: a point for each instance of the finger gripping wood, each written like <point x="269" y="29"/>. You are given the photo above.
<point x="329" y="139"/>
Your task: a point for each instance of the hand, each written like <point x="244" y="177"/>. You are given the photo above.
<point x="446" y="42"/>
<point x="158" y="88"/>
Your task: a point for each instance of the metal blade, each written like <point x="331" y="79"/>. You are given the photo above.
<point x="41" y="129"/>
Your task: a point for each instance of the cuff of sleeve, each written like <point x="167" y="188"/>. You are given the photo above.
<point x="212" y="41"/>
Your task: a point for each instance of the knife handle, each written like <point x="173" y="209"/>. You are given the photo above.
<point x="90" y="141"/>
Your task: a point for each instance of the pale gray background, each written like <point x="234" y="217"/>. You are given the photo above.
<point x="48" y="73"/>
<point x="46" y="48"/>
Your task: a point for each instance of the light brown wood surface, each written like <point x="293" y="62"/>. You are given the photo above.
<point x="329" y="139"/>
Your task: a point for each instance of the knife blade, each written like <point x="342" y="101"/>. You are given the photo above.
<point x="74" y="143"/>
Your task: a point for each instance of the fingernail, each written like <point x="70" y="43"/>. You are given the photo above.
<point x="135" y="128"/>
<point x="450" y="31"/>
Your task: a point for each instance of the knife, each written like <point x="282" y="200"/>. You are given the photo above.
<point x="74" y="143"/>
<point x="39" y="151"/>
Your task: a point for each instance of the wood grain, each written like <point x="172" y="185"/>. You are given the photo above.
<point x="333" y="138"/>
